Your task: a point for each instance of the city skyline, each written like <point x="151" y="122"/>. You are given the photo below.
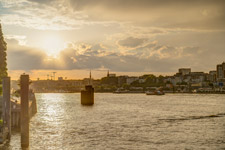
<point x="217" y="72"/>
<point x="131" y="37"/>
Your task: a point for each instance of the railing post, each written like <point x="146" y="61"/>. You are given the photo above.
<point x="24" y="123"/>
<point x="6" y="105"/>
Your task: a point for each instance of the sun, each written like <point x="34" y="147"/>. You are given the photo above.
<point x="52" y="44"/>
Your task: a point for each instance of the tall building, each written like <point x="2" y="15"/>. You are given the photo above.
<point x="223" y="66"/>
<point x="212" y="76"/>
<point x="220" y="69"/>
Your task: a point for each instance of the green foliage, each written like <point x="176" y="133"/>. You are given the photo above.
<point x="161" y="79"/>
<point x="182" y="83"/>
<point x="3" y="64"/>
<point x="136" y="83"/>
<point x="109" y="80"/>
<point x="126" y="86"/>
<point x="150" y="80"/>
<point x="168" y="82"/>
<point x="148" y="75"/>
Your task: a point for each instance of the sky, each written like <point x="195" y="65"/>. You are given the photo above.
<point x="127" y="37"/>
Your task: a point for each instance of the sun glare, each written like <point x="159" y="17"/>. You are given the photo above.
<point x="52" y="45"/>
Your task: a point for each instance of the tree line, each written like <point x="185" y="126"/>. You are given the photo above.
<point x="3" y="59"/>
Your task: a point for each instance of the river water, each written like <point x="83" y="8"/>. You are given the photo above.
<point x="127" y="122"/>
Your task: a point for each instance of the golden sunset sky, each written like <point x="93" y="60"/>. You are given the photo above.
<point x="130" y="37"/>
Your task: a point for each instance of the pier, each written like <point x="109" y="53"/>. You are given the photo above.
<point x="16" y="114"/>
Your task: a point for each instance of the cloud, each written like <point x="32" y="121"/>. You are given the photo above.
<point x="72" y="14"/>
<point x="131" y="54"/>
<point x="132" y="42"/>
<point x="151" y="57"/>
<point x="21" y="57"/>
<point x="199" y="14"/>
<point x="16" y="39"/>
<point x="25" y="60"/>
<point x="52" y="16"/>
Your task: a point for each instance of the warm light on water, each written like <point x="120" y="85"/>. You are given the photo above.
<point x="127" y="121"/>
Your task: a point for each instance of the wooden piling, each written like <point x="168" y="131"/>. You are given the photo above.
<point x="6" y="105"/>
<point x="87" y="95"/>
<point x="24" y="123"/>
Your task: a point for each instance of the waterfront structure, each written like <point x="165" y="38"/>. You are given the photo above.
<point x="87" y="95"/>
<point x="184" y="79"/>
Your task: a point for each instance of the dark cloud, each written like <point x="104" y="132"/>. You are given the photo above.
<point x="24" y="58"/>
<point x="132" y="42"/>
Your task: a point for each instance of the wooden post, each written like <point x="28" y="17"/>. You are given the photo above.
<point x="7" y="105"/>
<point x="24" y="122"/>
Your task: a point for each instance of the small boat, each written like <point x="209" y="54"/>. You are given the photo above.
<point x="157" y="92"/>
<point x="121" y="91"/>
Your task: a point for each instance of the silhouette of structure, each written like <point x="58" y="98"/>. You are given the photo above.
<point x="108" y="73"/>
<point x="87" y="95"/>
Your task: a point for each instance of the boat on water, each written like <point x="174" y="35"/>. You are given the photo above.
<point x="120" y="91"/>
<point x="157" y="92"/>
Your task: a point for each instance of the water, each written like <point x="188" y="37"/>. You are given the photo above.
<point x="127" y="121"/>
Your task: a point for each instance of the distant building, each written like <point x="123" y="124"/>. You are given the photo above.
<point x="220" y="71"/>
<point x="212" y="76"/>
<point x="111" y="74"/>
<point x="198" y="77"/>
<point x="184" y="71"/>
